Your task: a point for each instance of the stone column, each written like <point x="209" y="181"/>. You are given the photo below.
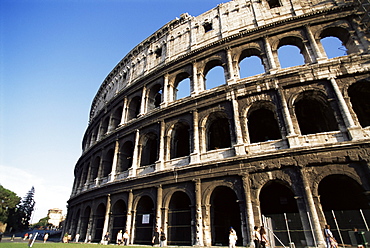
<point x="312" y="40"/>
<point x="160" y="163"/>
<point x="354" y="131"/>
<point x="195" y="155"/>
<point x="198" y="213"/>
<point x="194" y="87"/>
<point x="166" y="91"/>
<point x="115" y="161"/>
<point x="230" y="68"/>
<point x="270" y="55"/>
<point x="248" y="208"/>
<point x="317" y="230"/>
<point x="239" y="146"/>
<point x="143" y="101"/>
<point x="107" y="216"/>
<point x="135" y="156"/>
<point x="207" y="239"/>
<point x="158" y="215"/>
<point x="291" y="135"/>
<point x="124" y="111"/>
<point x="129" y="214"/>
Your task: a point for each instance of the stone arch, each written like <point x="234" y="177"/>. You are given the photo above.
<point x="155" y="93"/>
<point x="125" y="157"/>
<point x="116" y="117"/>
<point x="313" y="112"/>
<point x="133" y="110"/>
<point x="118" y="217"/>
<point x="108" y="162"/>
<point x="149" y="148"/>
<point x="263" y="122"/>
<point x="104" y="126"/>
<point x="214" y="63"/>
<point x="85" y="219"/>
<point x="359" y="94"/>
<point x="99" y="217"/>
<point x="247" y="54"/>
<point x="181" y="78"/>
<point x="179" y="142"/>
<point x="179" y="219"/>
<point x="95" y="166"/>
<point x="144" y="220"/>
<point x="343" y="34"/>
<point x="76" y="220"/>
<point x="296" y="41"/>
<point x="217" y="131"/>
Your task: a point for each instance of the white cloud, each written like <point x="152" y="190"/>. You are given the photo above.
<point x="47" y="194"/>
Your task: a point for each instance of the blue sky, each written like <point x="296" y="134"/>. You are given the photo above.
<point x="54" y="54"/>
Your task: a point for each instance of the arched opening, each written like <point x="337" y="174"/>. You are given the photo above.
<point x="125" y="156"/>
<point x="104" y="127"/>
<point x="75" y="222"/>
<point x="155" y="97"/>
<point x="149" y="153"/>
<point x="289" y="56"/>
<point x="214" y="74"/>
<point x="180" y="142"/>
<point x="218" y="132"/>
<point x="225" y="213"/>
<point x="119" y="216"/>
<point x="277" y="202"/>
<point x="108" y="162"/>
<point x="250" y="63"/>
<point x="333" y="47"/>
<point x="95" y="169"/>
<point x="182" y="85"/>
<point x="314" y="113"/>
<point x="359" y="94"/>
<point x="345" y="40"/>
<point x="99" y="222"/>
<point x="85" y="219"/>
<point x="344" y="199"/>
<point x="263" y="126"/>
<point x="134" y="108"/>
<point x="116" y="117"/>
<point x="179" y="220"/>
<point x="144" y="221"/>
<point x="273" y="3"/>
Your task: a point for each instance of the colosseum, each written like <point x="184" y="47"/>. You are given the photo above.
<point x="201" y="127"/>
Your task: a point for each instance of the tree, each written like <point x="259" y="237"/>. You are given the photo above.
<point x="8" y="201"/>
<point x="43" y="222"/>
<point x="19" y="217"/>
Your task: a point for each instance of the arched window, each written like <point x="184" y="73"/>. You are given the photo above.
<point x="182" y="85"/>
<point x="314" y="113"/>
<point x="155" y="97"/>
<point x="108" y="162"/>
<point x="125" y="156"/>
<point x="149" y="153"/>
<point x="180" y="140"/>
<point x="333" y="47"/>
<point x="340" y="39"/>
<point x="104" y="126"/>
<point x="292" y="52"/>
<point x="134" y="108"/>
<point x="218" y="132"/>
<point x="359" y="94"/>
<point x="95" y="168"/>
<point x="262" y="125"/>
<point x="250" y="63"/>
<point x="116" y="118"/>
<point x="214" y="74"/>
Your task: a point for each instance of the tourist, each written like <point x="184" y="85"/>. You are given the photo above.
<point x="256" y="237"/>
<point x="119" y="237"/>
<point x="232" y="238"/>
<point x="126" y="236"/>
<point x="46" y="236"/>
<point x="162" y="238"/>
<point x="155" y="239"/>
<point x="264" y="240"/>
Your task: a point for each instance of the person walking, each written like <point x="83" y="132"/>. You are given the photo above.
<point x="77" y="237"/>
<point x="162" y="238"/>
<point x="256" y="237"/>
<point x="155" y="239"/>
<point x="232" y="238"/>
<point x="330" y="240"/>
<point x="46" y="236"/>
<point x="264" y="240"/>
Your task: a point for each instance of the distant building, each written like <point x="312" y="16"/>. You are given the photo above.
<point x="55" y="216"/>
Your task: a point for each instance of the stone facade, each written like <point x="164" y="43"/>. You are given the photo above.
<point x="286" y="147"/>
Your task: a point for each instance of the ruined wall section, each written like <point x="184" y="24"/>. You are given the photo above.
<point x="188" y="34"/>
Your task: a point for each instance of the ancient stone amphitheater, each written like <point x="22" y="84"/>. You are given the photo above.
<point x="201" y="127"/>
